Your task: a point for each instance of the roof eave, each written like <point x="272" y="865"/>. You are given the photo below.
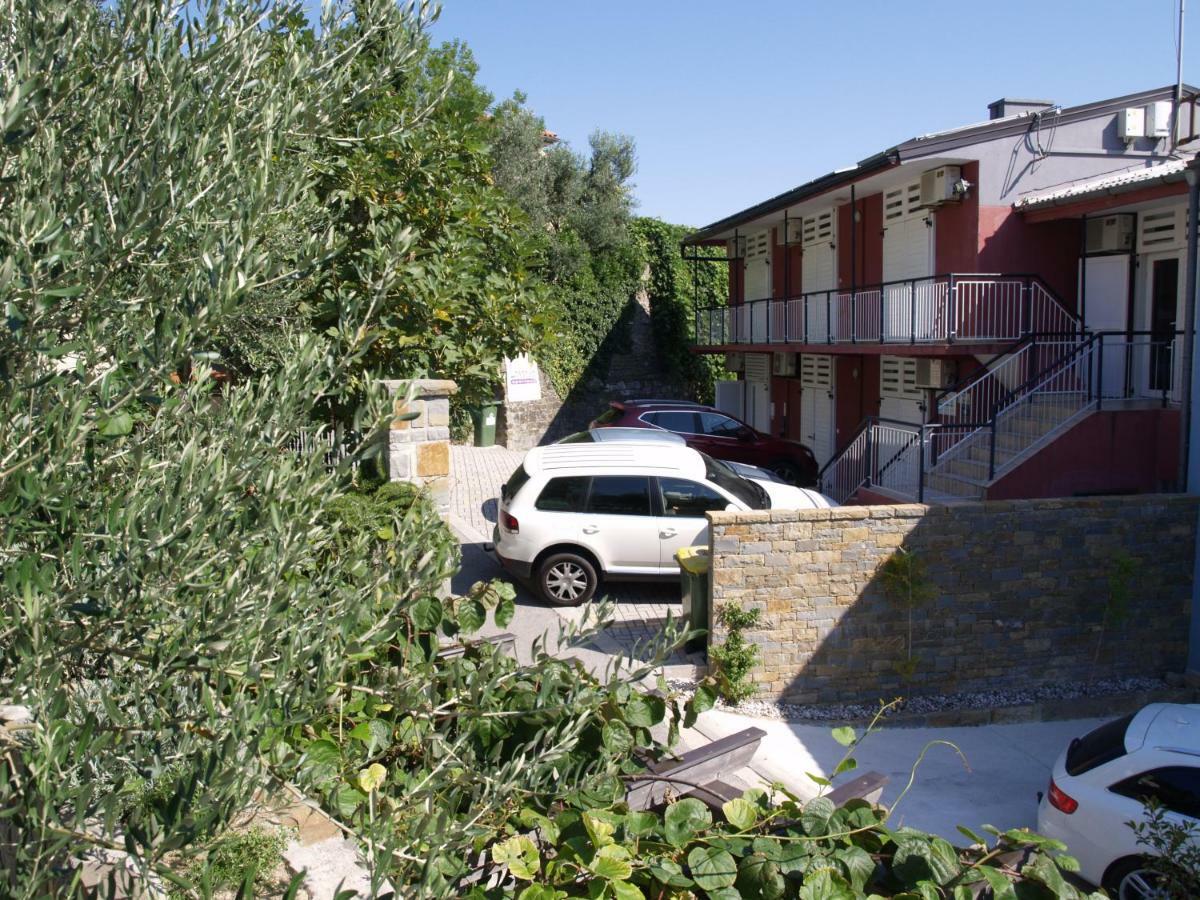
<point x="812" y="188"/>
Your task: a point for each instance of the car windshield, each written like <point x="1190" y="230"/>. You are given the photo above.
<point x="579" y="437"/>
<point x="753" y="495"/>
<point x="609" y="415"/>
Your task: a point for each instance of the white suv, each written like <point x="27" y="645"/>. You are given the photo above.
<point x="574" y="513"/>
<point x="1101" y="782"/>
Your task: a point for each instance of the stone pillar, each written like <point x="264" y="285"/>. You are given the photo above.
<point x="419" y="449"/>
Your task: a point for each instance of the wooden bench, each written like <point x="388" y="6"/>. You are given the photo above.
<point x="700" y="772"/>
<point x="867" y="786"/>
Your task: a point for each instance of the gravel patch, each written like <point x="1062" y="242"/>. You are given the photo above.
<point x="961" y="700"/>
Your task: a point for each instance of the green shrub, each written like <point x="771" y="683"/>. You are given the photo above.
<point x="736" y="658"/>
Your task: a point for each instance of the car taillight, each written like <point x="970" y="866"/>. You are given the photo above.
<point x="1061" y="801"/>
<point x="511" y="525"/>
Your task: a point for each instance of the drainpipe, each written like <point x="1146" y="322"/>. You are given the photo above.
<point x="1189" y="424"/>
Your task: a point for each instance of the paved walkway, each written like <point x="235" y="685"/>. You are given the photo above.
<point x="639" y="610"/>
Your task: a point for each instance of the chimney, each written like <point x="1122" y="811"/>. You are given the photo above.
<point x="1008" y="106"/>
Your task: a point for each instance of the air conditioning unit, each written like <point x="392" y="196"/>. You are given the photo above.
<point x="1131" y="123"/>
<point x="937" y="185"/>
<point x="1110" y="234"/>
<point x="790" y="232"/>
<point x="1158" y="119"/>
<point x="935" y="373"/>
<point x="735" y="362"/>
<point x="783" y="364"/>
<point x="735" y="248"/>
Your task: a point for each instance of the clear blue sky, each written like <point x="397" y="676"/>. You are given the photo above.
<point x="731" y="103"/>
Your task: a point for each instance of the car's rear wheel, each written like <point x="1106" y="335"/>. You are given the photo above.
<point x="567" y="579"/>
<point x="1132" y="879"/>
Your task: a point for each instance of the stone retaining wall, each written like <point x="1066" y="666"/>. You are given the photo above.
<point x="1019" y="589"/>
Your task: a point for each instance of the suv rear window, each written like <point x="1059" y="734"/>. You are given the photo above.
<point x="609" y="415"/>
<point x="563" y="495"/>
<point x="515" y="482"/>
<point x="1098" y="747"/>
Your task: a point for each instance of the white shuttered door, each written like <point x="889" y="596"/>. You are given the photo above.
<point x="818" y="270"/>
<point x="907" y="253"/>
<point x="899" y="396"/>
<point x="817" y="405"/>
<point x="757" y="411"/>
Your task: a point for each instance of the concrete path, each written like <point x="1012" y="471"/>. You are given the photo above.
<point x="1005" y="766"/>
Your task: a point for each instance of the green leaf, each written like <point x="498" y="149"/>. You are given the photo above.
<point x="623" y="890"/>
<point x="116" y="425"/>
<point x="759" y="879"/>
<point x="612" y="863"/>
<point x="505" y="610"/>
<point x="470" y="614"/>
<point x="386" y="534"/>
<point x="814" y="818"/>
<point x="618" y="739"/>
<point x="669" y="872"/>
<point x="73" y="290"/>
<point x="817" y="779"/>
<point x="347" y="800"/>
<point x="372" y="777"/>
<point x="638" y="712"/>
<point x="1002" y="888"/>
<point x="640" y="823"/>
<point x="704" y="699"/>
<point x="323" y="752"/>
<point x="540" y="892"/>
<point x="825" y="884"/>
<point x="844" y="735"/>
<point x="741" y="814"/>
<point x="848" y="764"/>
<point x="712" y="867"/>
<point x="426" y="614"/>
<point x="599" y="830"/>
<point x="375" y="733"/>
<point x="970" y="835"/>
<point x="684" y="819"/>
<point x="520" y="855"/>
<point x="857" y="864"/>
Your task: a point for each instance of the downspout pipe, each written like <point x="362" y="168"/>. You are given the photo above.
<point x="1189" y="420"/>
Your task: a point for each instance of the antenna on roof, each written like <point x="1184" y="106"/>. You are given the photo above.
<point x="1177" y="108"/>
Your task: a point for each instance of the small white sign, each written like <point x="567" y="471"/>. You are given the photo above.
<point x="521" y="379"/>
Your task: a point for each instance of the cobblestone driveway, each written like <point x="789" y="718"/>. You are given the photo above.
<point x="476" y="473"/>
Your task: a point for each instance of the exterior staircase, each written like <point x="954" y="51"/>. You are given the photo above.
<point x="1001" y="417"/>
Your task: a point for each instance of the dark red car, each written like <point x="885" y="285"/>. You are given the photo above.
<point x="717" y="434"/>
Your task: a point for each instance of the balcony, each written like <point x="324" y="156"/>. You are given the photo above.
<point x="940" y="309"/>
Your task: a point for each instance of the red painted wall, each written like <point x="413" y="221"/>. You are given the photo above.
<point x="1126" y="452"/>
<point x="860" y="258"/>
<point x="956" y="235"/>
<point x="1007" y="243"/>
<point x="785" y="268"/>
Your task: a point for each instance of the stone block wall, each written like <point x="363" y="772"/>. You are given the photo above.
<point x="419" y="449"/>
<point x="1019" y="590"/>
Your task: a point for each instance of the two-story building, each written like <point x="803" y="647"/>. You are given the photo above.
<point x="990" y="311"/>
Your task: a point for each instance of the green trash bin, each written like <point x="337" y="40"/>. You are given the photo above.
<point x="484" y="417"/>
<point x="693" y="578"/>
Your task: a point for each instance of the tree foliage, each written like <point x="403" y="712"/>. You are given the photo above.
<point x="578" y="212"/>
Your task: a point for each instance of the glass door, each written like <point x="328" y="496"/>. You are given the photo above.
<point x="1163" y="304"/>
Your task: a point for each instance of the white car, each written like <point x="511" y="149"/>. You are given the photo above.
<point x="572" y="514"/>
<point x="1101" y="782"/>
